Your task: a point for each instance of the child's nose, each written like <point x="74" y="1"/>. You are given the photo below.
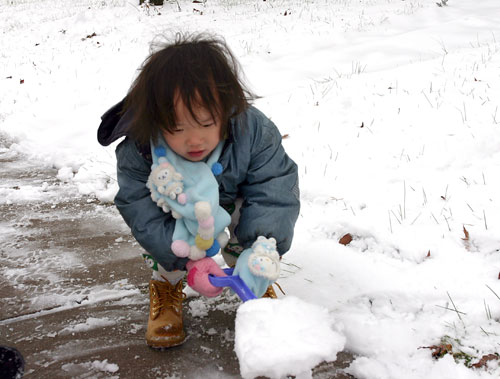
<point x="194" y="138"/>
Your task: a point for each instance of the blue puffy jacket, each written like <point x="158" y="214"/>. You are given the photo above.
<point x="255" y="168"/>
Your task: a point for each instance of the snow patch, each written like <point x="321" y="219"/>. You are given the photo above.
<point x="95" y="366"/>
<point x="282" y="337"/>
<point x="90" y="323"/>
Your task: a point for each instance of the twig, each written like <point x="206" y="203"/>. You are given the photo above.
<point x="484" y="331"/>
<point x="487" y="310"/>
<point x="432" y="106"/>
<point x="456" y="310"/>
<point x="390" y="222"/>
<point x="290" y="264"/>
<point x="404" y="200"/>
<point x="397" y="219"/>
<point x="449" y="309"/>
<point x="447" y="223"/>
<point x="434" y="218"/>
<point x="416" y="218"/>
<point x="493" y="292"/>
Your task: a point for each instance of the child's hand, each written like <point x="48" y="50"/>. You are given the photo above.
<point x="197" y="277"/>
<point x="259" y="266"/>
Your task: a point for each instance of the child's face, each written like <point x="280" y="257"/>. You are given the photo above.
<point x="193" y="140"/>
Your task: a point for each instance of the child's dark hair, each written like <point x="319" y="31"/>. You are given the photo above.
<point x="201" y="70"/>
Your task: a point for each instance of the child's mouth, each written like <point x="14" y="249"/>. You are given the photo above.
<point x="195" y="154"/>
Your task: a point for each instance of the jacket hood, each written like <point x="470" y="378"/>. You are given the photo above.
<point x="114" y="124"/>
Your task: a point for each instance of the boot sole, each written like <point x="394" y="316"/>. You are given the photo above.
<point x="165" y="344"/>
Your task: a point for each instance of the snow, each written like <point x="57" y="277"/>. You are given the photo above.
<point x="90" y="323"/>
<point x="198" y="308"/>
<point x="99" y="366"/>
<point x="391" y="111"/>
<point x="282" y="337"/>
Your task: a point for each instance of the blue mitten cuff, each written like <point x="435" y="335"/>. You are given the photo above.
<point x="259" y="266"/>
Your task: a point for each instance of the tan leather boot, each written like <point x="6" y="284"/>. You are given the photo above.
<point x="270" y="293"/>
<point x="165" y="327"/>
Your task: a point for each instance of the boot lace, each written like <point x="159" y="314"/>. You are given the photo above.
<point x="166" y="295"/>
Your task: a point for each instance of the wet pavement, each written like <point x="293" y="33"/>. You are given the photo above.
<point x="74" y="291"/>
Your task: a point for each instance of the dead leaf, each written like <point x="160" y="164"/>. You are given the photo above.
<point x="428" y="254"/>
<point x="285" y="136"/>
<point x="466" y="240"/>
<point x="439" y="351"/>
<point x="466" y="233"/>
<point x="346" y="239"/>
<point x="484" y="360"/>
<point x="89" y="36"/>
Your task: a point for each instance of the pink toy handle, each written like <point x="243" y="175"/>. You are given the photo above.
<point x="233" y="281"/>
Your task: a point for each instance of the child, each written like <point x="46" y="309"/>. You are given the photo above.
<point x="186" y="111"/>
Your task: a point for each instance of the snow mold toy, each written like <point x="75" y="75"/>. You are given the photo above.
<point x="190" y="192"/>
<point x="234" y="282"/>
<point x="263" y="261"/>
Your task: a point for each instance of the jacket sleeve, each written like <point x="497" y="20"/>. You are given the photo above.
<point x="270" y="191"/>
<point x="151" y="227"/>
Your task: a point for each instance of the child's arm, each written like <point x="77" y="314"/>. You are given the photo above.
<point x="151" y="227"/>
<point x="270" y="189"/>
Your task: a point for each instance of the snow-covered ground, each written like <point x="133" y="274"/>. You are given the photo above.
<point x="389" y="107"/>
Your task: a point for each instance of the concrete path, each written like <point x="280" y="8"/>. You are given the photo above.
<point x="74" y="296"/>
